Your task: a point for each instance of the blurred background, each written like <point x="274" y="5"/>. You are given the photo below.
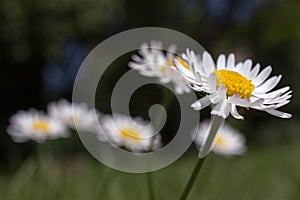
<point x="44" y="42"/>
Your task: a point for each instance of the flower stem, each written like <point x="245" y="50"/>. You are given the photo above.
<point x="192" y="179"/>
<point x="216" y="123"/>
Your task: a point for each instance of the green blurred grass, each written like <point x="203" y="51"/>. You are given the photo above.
<point x="265" y="173"/>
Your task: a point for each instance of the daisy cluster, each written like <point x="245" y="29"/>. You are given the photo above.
<point x="64" y="117"/>
<point x="225" y="85"/>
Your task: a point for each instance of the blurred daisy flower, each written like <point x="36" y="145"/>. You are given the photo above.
<point x="134" y="134"/>
<point x="35" y="125"/>
<point x="228" y="141"/>
<point x="153" y="62"/>
<point x="228" y="85"/>
<point x="73" y="113"/>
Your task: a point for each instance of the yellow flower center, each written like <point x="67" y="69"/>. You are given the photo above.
<point x="219" y="141"/>
<point x="129" y="133"/>
<point x="234" y="82"/>
<point x="41" y="125"/>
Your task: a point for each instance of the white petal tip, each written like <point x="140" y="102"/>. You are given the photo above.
<point x="287" y="115"/>
<point x="196" y="106"/>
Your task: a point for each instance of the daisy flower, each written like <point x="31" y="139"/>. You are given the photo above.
<point x="228" y="85"/>
<point x="35" y="125"/>
<point x="153" y="62"/>
<point x="228" y="142"/>
<point x="132" y="133"/>
<point x="74" y="115"/>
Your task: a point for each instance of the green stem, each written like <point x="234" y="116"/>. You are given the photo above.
<point x="192" y="179"/>
<point x="215" y="124"/>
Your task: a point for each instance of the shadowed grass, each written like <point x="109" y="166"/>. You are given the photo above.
<point x="269" y="173"/>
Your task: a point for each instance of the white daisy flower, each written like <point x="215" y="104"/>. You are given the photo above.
<point x="228" y="141"/>
<point x="229" y="85"/>
<point x="154" y="63"/>
<point x="35" y="125"/>
<point x="73" y="113"/>
<point x="132" y="133"/>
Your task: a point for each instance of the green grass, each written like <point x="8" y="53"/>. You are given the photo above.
<point x="269" y="173"/>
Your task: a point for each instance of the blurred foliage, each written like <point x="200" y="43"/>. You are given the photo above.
<point x="32" y="26"/>
<point x="265" y="173"/>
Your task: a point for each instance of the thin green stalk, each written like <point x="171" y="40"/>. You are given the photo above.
<point x="192" y="179"/>
<point x="215" y="124"/>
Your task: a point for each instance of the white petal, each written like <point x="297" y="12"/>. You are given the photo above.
<point x="230" y="62"/>
<point x="201" y="103"/>
<point x="279" y="114"/>
<point x="279" y="99"/>
<point x="268" y="85"/>
<point x="254" y="72"/>
<point x="208" y="63"/>
<point x="246" y="102"/>
<point x="258" y="102"/>
<point x="262" y="76"/>
<point x="282" y="103"/>
<point x="222" y="92"/>
<point x="136" y="58"/>
<point x="235" y="99"/>
<point x="221" y="62"/>
<point x="171" y="50"/>
<point x="183" y="70"/>
<point x="214" y="98"/>
<point x="212" y="82"/>
<point x="221" y="109"/>
<point x="239" y="67"/>
<point x="247" y="67"/>
<point x="272" y="94"/>
<point x="235" y="113"/>
<point x="264" y="107"/>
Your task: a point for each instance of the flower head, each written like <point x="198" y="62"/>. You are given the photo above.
<point x="228" y="85"/>
<point x="228" y="141"/>
<point x="35" y="125"/>
<point x="133" y="134"/>
<point x="154" y="63"/>
<point x="74" y="115"/>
